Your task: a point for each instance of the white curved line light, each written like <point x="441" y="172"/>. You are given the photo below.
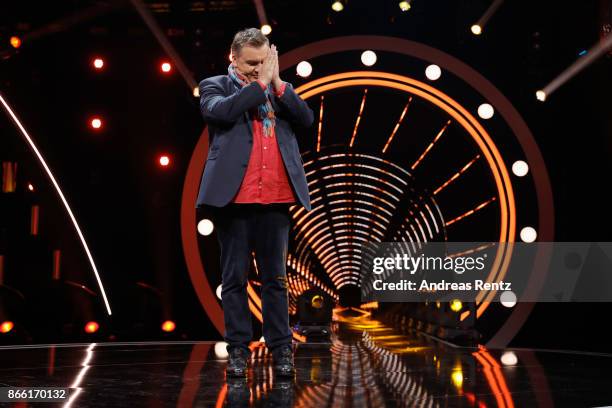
<point x="61" y="194"/>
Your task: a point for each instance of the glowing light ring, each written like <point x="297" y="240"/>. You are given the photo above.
<point x="469" y="123"/>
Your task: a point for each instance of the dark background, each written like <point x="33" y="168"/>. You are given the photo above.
<point x="128" y="206"/>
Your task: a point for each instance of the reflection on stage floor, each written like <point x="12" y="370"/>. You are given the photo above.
<point x="366" y="364"/>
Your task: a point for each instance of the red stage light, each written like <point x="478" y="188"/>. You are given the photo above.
<point x="166" y="67"/>
<point x="91" y="327"/>
<point x="168" y="326"/>
<point x="15" y="42"/>
<point x="98" y="63"/>
<point x="96" y="123"/>
<point x="6" y="326"/>
<point x="164" y="160"/>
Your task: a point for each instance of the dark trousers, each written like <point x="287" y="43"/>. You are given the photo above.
<point x="263" y="229"/>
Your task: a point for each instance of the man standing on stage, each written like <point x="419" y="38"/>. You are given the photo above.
<point x="253" y="173"/>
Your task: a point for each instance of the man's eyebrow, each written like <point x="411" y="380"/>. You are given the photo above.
<point x="252" y="61"/>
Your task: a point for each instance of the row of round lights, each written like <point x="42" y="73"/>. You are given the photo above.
<point x="368" y="58"/>
<point x="96" y="123"/>
<point x="90" y="327"/>
<point x="98" y="63"/>
<point x="338" y="5"/>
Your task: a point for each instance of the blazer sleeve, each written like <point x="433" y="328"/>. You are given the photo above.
<point x="295" y="107"/>
<point x="215" y="106"/>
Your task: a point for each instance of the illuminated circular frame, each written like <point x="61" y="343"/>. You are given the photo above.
<point x="469" y="123"/>
<point x="431" y="55"/>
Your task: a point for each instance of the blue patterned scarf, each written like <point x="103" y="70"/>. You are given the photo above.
<point x="265" y="111"/>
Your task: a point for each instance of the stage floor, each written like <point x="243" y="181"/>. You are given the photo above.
<point x="364" y="365"/>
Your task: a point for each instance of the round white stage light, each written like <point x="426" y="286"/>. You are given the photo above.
<point x="221" y="349"/>
<point x="486" y="111"/>
<point x="304" y="69"/>
<point x="368" y="58"/>
<point x="520" y="168"/>
<point x="433" y="72"/>
<point x="528" y="234"/>
<point x="509" y="358"/>
<point x="205" y="227"/>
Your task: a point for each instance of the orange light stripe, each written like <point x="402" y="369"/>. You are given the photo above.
<point x="57" y="255"/>
<point x="472" y="211"/>
<point x="430" y="146"/>
<point x="397" y="125"/>
<point x="34" y="220"/>
<point x="363" y="99"/>
<point x="456" y="175"/>
<point x="9" y="177"/>
<point x="221" y="398"/>
<point x="254" y="302"/>
<point x="500" y="377"/>
<point x="490" y="379"/>
<point x="320" y="124"/>
<point x="470" y="251"/>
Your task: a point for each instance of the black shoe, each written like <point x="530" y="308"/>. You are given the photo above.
<point x="237" y="364"/>
<point x="283" y="361"/>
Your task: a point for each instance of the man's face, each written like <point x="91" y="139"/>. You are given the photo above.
<point x="249" y="61"/>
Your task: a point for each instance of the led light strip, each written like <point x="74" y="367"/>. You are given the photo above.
<point x="61" y="194"/>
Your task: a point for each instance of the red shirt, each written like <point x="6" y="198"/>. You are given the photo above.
<point x="265" y="180"/>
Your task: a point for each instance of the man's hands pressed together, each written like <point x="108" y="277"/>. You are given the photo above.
<point x="276" y="81"/>
<point x="269" y="70"/>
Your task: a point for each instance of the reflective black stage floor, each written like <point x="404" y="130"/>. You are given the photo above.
<point x="365" y="365"/>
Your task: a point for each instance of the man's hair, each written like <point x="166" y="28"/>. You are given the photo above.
<point x="249" y="36"/>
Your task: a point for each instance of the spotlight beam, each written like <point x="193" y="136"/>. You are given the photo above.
<point x="71" y="20"/>
<point x="261" y="12"/>
<point x="61" y="195"/>
<point x="489" y="13"/>
<point x="594" y="53"/>
<point x="148" y="19"/>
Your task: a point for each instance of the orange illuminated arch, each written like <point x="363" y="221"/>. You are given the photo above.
<point x="470" y="124"/>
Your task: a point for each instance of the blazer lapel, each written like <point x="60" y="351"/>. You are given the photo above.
<point x="248" y="121"/>
<point x="245" y="115"/>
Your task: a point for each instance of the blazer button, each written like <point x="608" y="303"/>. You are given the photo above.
<point x="250" y="142"/>
<point x="244" y="165"/>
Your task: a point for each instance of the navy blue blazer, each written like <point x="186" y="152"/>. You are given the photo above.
<point x="225" y="109"/>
